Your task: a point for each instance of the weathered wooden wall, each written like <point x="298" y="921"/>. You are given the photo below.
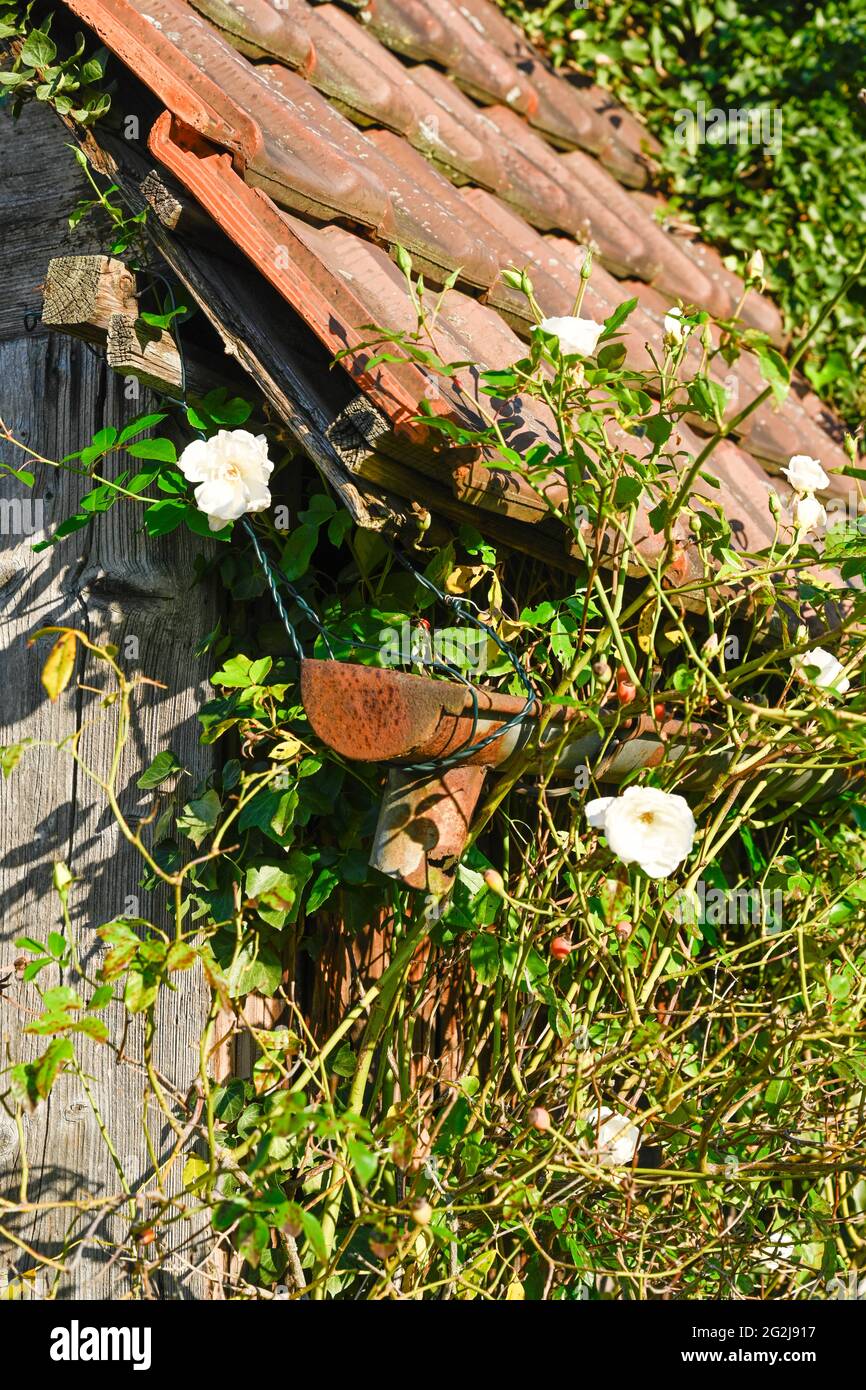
<point x="54" y="393"/>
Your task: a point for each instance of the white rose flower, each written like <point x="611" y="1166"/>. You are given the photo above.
<point x="830" y="672"/>
<point x="232" y="470"/>
<point x="675" y="326"/>
<point x="808" y="513"/>
<point x="575" y="335"/>
<point x="645" y="826"/>
<point x="616" y="1138"/>
<point x="805" y="474"/>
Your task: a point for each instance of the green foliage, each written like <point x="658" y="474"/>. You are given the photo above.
<point x="72" y="82"/>
<point x="801" y="203"/>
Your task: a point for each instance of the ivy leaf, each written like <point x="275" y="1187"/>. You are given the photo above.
<point x="325" y="882"/>
<point x="298" y="550"/>
<point x="199" y="816"/>
<point x="164" y="765"/>
<point x="38" y="50"/>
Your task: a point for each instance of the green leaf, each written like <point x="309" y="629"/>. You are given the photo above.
<point x="611" y="357"/>
<point x="163" y="517"/>
<point x="194" y="1169"/>
<point x="164" y="765"/>
<point x="199" y="817"/>
<point x="38" y="50"/>
<point x="627" y="492"/>
<point x="50" y="1063"/>
<point x="161" y="449"/>
<point x="27" y="943"/>
<point x="162" y="321"/>
<point x="658" y="429"/>
<point x="32" y="1081"/>
<point x="325" y="882"/>
<point x="364" y="1161"/>
<point x="315" y="1235"/>
<point x="484" y="956"/>
<point x="344" y="1062"/>
<point x="252" y="1238"/>
<point x="181" y="956"/>
<point x="774" y="370"/>
<point x="615" y="320"/>
<point x="139" y="424"/>
<point x="140" y="991"/>
<point x="239" y="672"/>
<point x="296" y="553"/>
<point x="11" y="754"/>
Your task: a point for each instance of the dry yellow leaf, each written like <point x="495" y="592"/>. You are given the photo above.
<point x="57" y="671"/>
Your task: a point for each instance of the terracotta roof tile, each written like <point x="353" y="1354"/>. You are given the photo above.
<point x="464" y="188"/>
<point x="675" y="275"/>
<point x="757" y="310"/>
<point x="416" y="219"/>
<point x="518" y="179"/>
<point x="441" y="34"/>
<point x="570" y="116"/>
<point x="262" y="30"/>
<point x="620" y="247"/>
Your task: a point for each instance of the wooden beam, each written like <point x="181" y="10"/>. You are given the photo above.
<point x="535" y="540"/>
<point x="174" y="209"/>
<point x="151" y="355"/>
<point x="82" y="292"/>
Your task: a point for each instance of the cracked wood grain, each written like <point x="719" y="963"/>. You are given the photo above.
<point x="115" y="584"/>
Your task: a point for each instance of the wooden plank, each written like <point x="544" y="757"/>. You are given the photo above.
<point x="115" y="584"/>
<point x="134" y="349"/>
<point x="83" y="292"/>
<point x="34" y="213"/>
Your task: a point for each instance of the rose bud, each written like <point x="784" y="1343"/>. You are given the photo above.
<point x="560" y="947"/>
<point x="602" y="670"/>
<point x="422" y="1212"/>
<point x="539" y="1118"/>
<point x="494" y="881"/>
